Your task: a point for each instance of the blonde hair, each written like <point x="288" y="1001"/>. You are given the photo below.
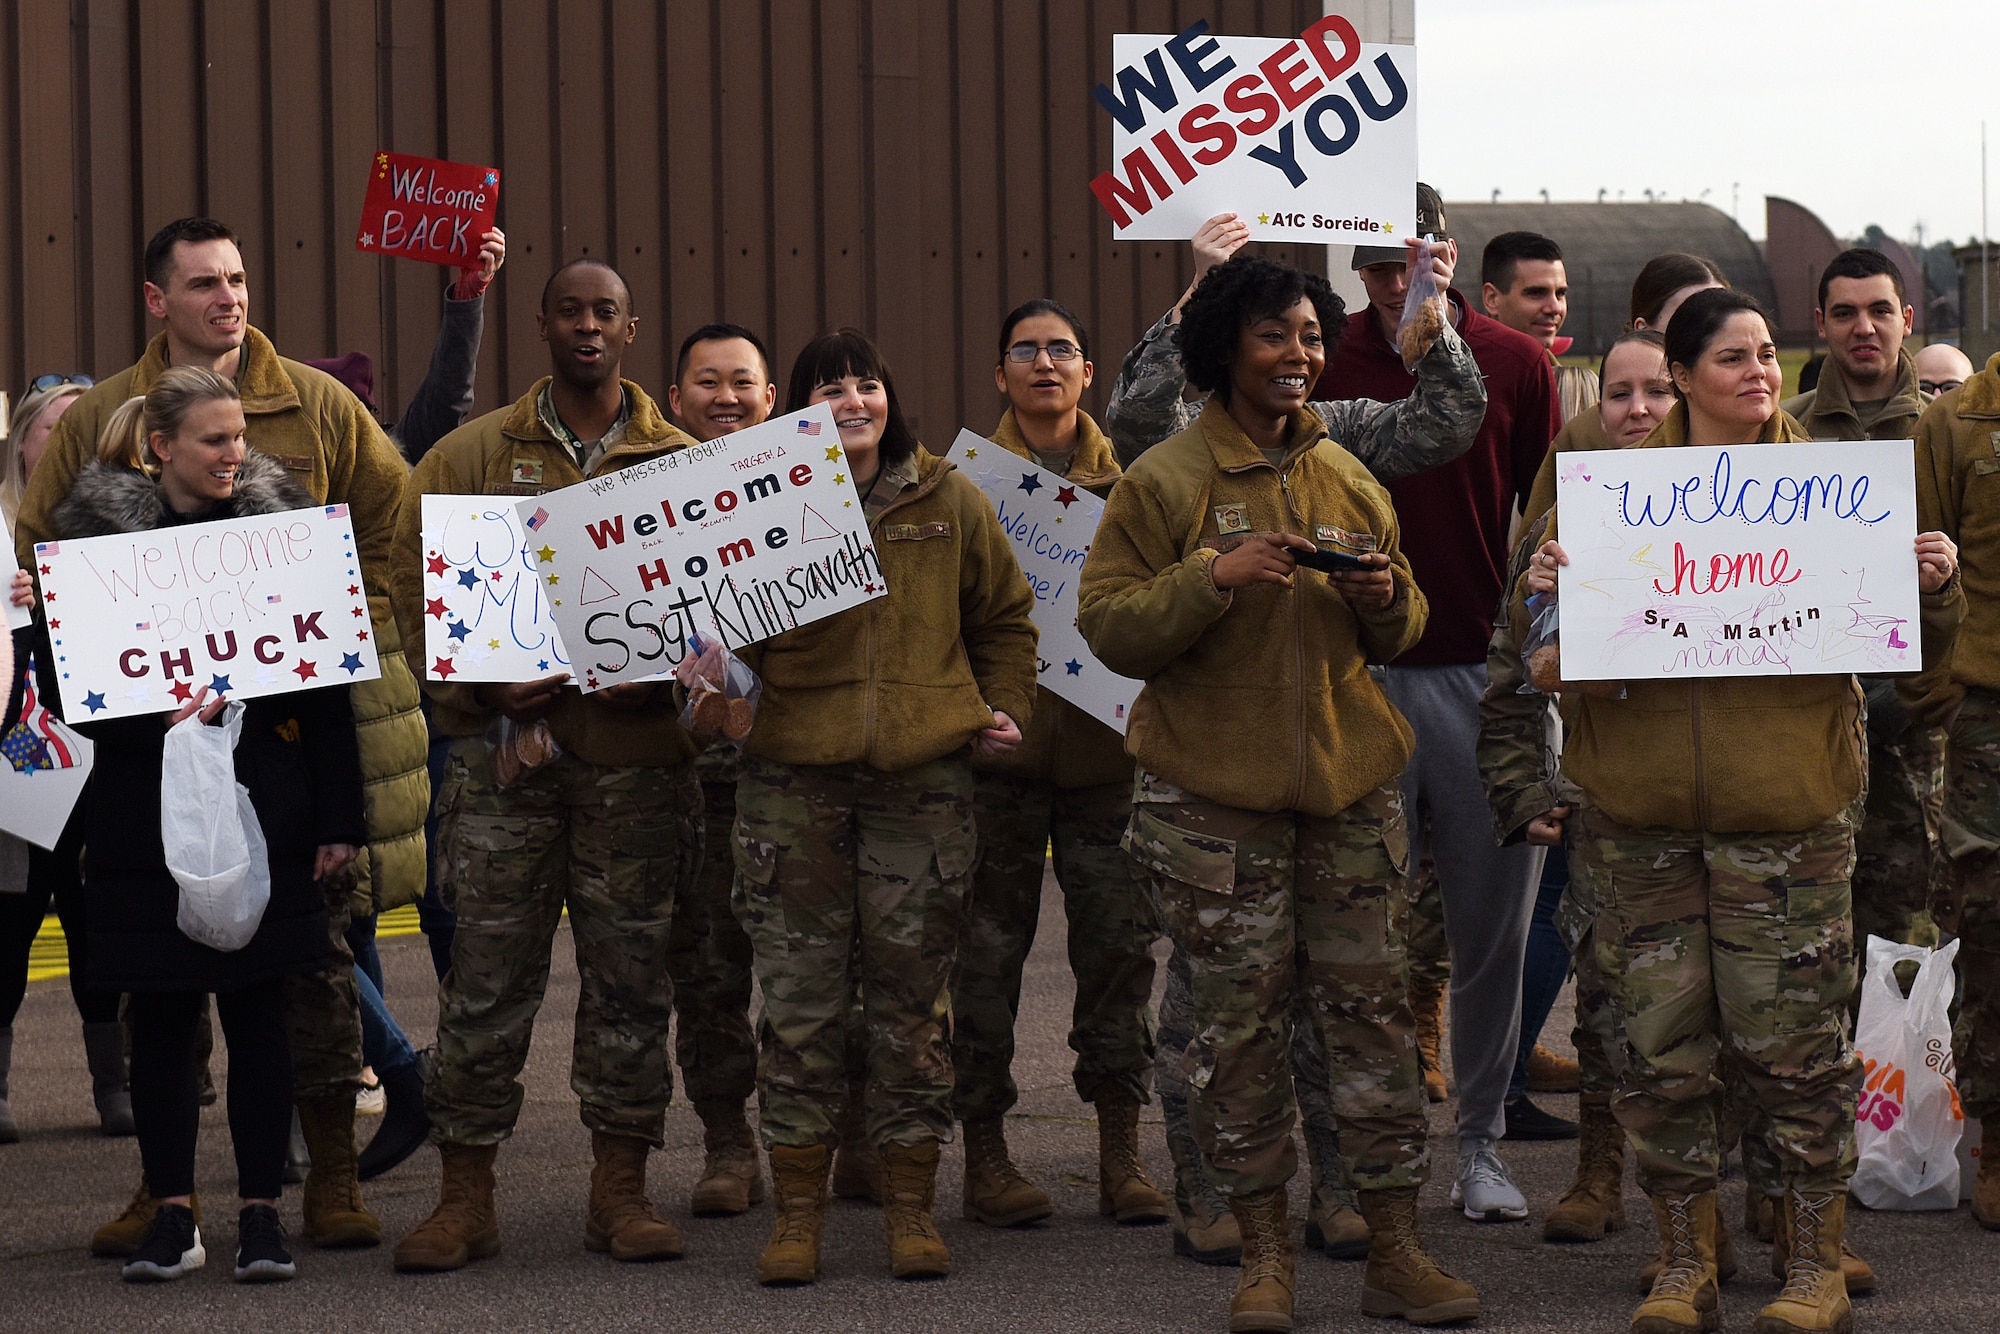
<point x="127" y="438"/>
<point x="13" y="470"/>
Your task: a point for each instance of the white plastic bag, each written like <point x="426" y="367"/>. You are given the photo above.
<point x="214" y="845"/>
<point x="1908" y="1123"/>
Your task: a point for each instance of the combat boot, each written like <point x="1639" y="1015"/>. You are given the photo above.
<point x="1725" y="1257"/>
<point x="1684" y="1297"/>
<point x="1334" y="1225"/>
<point x="1204" y="1229"/>
<point x="1263" y="1298"/>
<point x="798" y="1201"/>
<point x="123" y="1234"/>
<point x="1986" y="1188"/>
<point x="331" y="1205"/>
<point x="1402" y="1279"/>
<point x="1427" y="1005"/>
<point x="731" y="1178"/>
<point x="1595" y="1201"/>
<point x="464" y="1226"/>
<point x="622" y="1221"/>
<point x="909" y="1189"/>
<point x="1858" y="1274"/>
<point x="1550" y="1073"/>
<point x="996" y="1193"/>
<point x="1814" y="1298"/>
<point x="1124" y="1191"/>
<point x="857" y="1167"/>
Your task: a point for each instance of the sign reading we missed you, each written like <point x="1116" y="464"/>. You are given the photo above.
<point x="1739" y="560"/>
<point x="261" y="605"/>
<point x="1050" y="524"/>
<point x="1312" y="138"/>
<point x="426" y="208"/>
<point x="745" y="536"/>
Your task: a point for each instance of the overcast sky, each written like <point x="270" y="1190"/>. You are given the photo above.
<point x="1862" y="112"/>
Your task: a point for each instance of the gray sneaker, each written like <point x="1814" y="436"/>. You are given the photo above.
<point x="1483" y="1189"/>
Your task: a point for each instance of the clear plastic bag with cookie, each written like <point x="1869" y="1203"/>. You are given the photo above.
<point x="1541" y="656"/>
<point x="722" y="693"/>
<point x="1423" y="307"/>
<point x="514" y="749"/>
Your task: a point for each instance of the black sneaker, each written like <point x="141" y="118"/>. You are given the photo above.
<point x="1527" y="1121"/>
<point x="262" y="1254"/>
<point x="171" y="1249"/>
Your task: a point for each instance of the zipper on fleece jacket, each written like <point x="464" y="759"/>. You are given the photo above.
<point x="1299" y="655"/>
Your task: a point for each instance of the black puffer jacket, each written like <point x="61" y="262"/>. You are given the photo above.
<point x="297" y="758"/>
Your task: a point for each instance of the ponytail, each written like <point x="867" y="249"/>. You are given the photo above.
<point x="123" y="444"/>
<point x="127" y="437"/>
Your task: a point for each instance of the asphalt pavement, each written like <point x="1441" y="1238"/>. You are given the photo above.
<point x="1076" y="1272"/>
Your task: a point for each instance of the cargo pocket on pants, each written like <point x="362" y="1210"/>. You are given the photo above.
<point x="1194" y="875"/>
<point x="753" y="893"/>
<point x="444" y="853"/>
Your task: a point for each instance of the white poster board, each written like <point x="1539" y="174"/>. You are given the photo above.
<point x="17" y="617"/>
<point x="1741" y="560"/>
<point x="1050" y="524"/>
<point x="43" y="766"/>
<point x="746" y="536"/>
<point x="1312" y="138"/>
<point x="247" y="607"/>
<point x="487" y="609"/>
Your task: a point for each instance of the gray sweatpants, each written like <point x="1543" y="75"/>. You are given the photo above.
<point x="1488" y="891"/>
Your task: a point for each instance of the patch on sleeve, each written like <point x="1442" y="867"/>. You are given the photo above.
<point x="1325" y="534"/>
<point x="1232" y="519"/>
<point x="916" y="532"/>
<point x="527" y="470"/>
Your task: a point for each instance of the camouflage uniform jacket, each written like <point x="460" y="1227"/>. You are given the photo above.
<point x="1434" y="425"/>
<point x="1515" y="757"/>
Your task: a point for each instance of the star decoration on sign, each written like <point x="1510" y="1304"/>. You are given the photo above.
<point x="554" y="579"/>
<point x="546" y="554"/>
<point x="443" y="668"/>
<point x="361" y="636"/>
<point x="434" y="565"/>
<point x="219" y="684"/>
<point x="350" y="663"/>
<point x="306" y="671"/>
<point x="1030" y="483"/>
<point x="1066" y="496"/>
<point x="354" y="590"/>
<point x="971" y="453"/>
<point x="832" y="453"/>
<point x="590" y="681"/>
<point x="367" y="240"/>
<point x="361" y="611"/>
<point x="458" y="631"/>
<point x="94" y="701"/>
<point x="1073" y="667"/>
<point x="493" y="643"/>
<point x="55" y="625"/>
<point x="1263" y="217"/>
<point x="45" y="569"/>
<point x="182" y="691"/>
<point x="468" y="579"/>
<point x="839" y="477"/>
<point x="496" y="576"/>
<point x="542" y="665"/>
<point x="434" y="607"/>
<point x="1388" y="226"/>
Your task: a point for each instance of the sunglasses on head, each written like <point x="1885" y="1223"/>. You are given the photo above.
<point x="54" y="381"/>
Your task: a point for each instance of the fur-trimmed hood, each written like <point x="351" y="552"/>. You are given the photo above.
<point x="110" y="498"/>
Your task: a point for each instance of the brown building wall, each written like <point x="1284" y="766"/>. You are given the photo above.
<point x="913" y="167"/>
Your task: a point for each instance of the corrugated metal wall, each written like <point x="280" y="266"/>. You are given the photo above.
<point x="914" y="167"/>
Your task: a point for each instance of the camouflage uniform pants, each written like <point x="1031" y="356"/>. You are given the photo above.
<point x="616" y="846"/>
<point x="1969" y="903"/>
<point x="852" y="880"/>
<point x="1895" y="854"/>
<point x="1732" y="947"/>
<point x="1600" y="1047"/>
<point x="1419" y="920"/>
<point x="1112" y="927"/>
<point x="709" y="960"/>
<point x="323" y="1012"/>
<point x="1242" y="892"/>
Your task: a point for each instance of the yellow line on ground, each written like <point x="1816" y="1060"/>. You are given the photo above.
<point x="49" y="956"/>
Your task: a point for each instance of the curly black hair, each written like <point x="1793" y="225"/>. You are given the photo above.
<point x="1234" y="296"/>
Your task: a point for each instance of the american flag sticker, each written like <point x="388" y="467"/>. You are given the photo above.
<point x="273" y="599"/>
<point x="808" y="428"/>
<point x="336" y="511"/>
<point x="1120" y="709"/>
<point x="538" y="518"/>
<point x="143" y="625"/>
<point x="48" y="548"/>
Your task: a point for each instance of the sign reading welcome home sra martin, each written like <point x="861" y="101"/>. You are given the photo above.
<point x="261" y="605"/>
<point x="1050" y="524"/>
<point x="1312" y="138"/>
<point x="744" y="537"/>
<point x="1739" y="560"/>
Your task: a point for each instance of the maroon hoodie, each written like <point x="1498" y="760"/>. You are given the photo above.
<point x="1455" y="516"/>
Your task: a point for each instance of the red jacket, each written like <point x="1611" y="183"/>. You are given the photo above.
<point x="1455" y="517"/>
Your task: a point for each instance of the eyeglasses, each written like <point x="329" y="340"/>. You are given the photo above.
<point x="1936" y="387"/>
<point x="1058" y="351"/>
<point x="53" y="381"/>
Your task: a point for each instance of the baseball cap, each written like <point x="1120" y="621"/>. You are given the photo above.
<point x="1430" y="222"/>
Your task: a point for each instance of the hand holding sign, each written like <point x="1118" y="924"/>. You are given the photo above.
<point x="428" y="209"/>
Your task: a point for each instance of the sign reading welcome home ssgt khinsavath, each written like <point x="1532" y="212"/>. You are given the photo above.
<point x="1738" y="560"/>
<point x="247" y="607"/>
<point x="1312" y="138"/>
<point x="745" y="536"/>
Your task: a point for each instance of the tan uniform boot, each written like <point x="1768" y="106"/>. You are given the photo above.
<point x="1683" y="1299"/>
<point x="1124" y="1191"/>
<point x="1986" y="1189"/>
<point x="1427" y="1004"/>
<point x="1334" y="1224"/>
<point x="857" y="1168"/>
<point x="909" y="1189"/>
<point x="1263" y="1298"/>
<point x="1857" y="1272"/>
<point x="1814" y="1298"/>
<point x="621" y="1220"/>
<point x="1550" y="1073"/>
<point x="1205" y="1236"/>
<point x="464" y="1226"/>
<point x="123" y="1234"/>
<point x="1725" y="1258"/>
<point x="1595" y="1202"/>
<point x="996" y="1193"/>
<point x="334" y="1215"/>
<point x="1402" y="1279"/>
<point x="798" y="1198"/>
<point x="731" y="1178"/>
